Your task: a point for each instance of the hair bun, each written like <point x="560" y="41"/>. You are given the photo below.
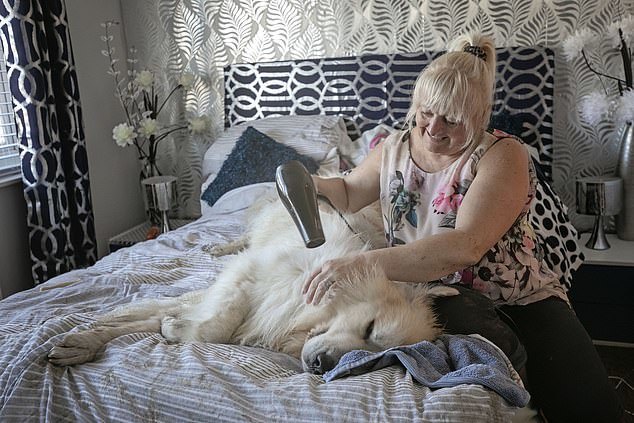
<point x="476" y="51"/>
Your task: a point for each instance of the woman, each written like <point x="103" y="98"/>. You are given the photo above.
<point x="455" y="199"/>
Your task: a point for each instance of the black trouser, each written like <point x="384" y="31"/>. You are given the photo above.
<point x="565" y="375"/>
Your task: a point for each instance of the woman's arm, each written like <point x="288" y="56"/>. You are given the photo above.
<point x="492" y="204"/>
<point x="358" y="188"/>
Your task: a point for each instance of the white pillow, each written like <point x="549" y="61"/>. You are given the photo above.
<point x="313" y="136"/>
<point x="240" y="198"/>
<point x="329" y="166"/>
<point x="366" y="142"/>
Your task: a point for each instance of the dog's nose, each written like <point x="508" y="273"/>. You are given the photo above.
<point x="322" y="363"/>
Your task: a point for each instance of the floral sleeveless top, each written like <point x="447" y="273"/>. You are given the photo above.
<point x="417" y="204"/>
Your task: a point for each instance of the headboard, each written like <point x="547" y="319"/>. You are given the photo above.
<point x="376" y="89"/>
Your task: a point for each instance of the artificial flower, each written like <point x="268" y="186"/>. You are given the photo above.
<point x="626" y="26"/>
<point x="142" y="100"/>
<point x="144" y="79"/>
<point x="186" y="80"/>
<point x="198" y="124"/>
<point x="609" y="104"/>
<point x="574" y="45"/>
<point x="123" y="134"/>
<point x="625" y="108"/>
<point x="148" y="127"/>
<point x="595" y="107"/>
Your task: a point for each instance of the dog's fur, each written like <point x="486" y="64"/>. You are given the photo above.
<point x="257" y="300"/>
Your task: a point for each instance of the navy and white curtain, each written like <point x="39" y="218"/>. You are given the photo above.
<point x="43" y="81"/>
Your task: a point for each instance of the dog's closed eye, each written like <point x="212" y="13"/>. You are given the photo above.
<point x="368" y="330"/>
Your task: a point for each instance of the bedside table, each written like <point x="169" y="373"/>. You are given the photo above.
<point x="138" y="234"/>
<point x="602" y="292"/>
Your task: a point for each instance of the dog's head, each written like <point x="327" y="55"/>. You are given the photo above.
<point x="370" y="313"/>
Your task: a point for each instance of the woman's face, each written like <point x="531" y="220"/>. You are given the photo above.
<point x="439" y="134"/>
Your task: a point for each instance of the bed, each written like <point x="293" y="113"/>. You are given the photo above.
<point x="330" y="111"/>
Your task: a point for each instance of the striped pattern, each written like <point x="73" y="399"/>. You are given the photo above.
<point x="376" y="89"/>
<point x="140" y="377"/>
<point x="312" y="136"/>
<point x="204" y="36"/>
<point x="54" y="161"/>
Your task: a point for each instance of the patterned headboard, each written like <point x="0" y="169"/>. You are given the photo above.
<point x="374" y="89"/>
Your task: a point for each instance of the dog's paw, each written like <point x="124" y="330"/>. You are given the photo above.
<point x="75" y="348"/>
<point x="220" y="250"/>
<point x="173" y="329"/>
<point x="232" y="247"/>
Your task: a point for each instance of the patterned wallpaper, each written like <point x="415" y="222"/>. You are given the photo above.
<point x="202" y="36"/>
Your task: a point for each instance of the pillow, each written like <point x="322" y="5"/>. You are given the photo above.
<point x="243" y="197"/>
<point x="313" y="136"/>
<point x="254" y="159"/>
<point x="557" y="235"/>
<point x="329" y="166"/>
<point x="367" y="141"/>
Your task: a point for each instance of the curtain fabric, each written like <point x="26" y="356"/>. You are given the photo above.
<point x="43" y="81"/>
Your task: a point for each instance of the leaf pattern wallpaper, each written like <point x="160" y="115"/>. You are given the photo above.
<point x="203" y="36"/>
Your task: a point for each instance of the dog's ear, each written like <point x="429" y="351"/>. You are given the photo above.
<point x="439" y="290"/>
<point x="421" y="293"/>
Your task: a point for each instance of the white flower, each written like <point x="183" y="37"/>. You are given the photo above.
<point x="148" y="127"/>
<point x="626" y="25"/>
<point x="594" y="107"/>
<point x="144" y="79"/>
<point x="574" y="44"/>
<point x="198" y="124"/>
<point x="142" y="130"/>
<point x="625" y="108"/>
<point x="616" y="102"/>
<point x="186" y="80"/>
<point x="123" y="134"/>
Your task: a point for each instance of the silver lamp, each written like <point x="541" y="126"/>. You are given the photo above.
<point x="599" y="196"/>
<point x="159" y="195"/>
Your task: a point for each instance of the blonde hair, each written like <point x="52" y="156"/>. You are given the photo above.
<point x="459" y="84"/>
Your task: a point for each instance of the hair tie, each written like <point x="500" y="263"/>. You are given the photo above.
<point x="476" y="51"/>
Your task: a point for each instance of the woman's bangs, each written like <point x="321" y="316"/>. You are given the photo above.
<point x="445" y="95"/>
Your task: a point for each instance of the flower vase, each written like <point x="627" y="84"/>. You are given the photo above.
<point x="625" y="170"/>
<point x="149" y="170"/>
<point x="160" y="192"/>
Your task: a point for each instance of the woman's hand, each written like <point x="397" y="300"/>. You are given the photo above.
<point x="323" y="282"/>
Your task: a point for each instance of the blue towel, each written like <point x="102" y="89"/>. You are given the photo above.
<point x="449" y="361"/>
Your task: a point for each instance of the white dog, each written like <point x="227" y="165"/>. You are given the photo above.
<point x="257" y="300"/>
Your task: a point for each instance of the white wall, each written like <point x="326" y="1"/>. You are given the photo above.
<point x="114" y="171"/>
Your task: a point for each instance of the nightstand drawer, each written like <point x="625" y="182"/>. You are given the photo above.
<point x="603" y="298"/>
<point x="607" y="322"/>
<point x="604" y="284"/>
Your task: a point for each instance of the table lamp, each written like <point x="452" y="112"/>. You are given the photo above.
<point x="158" y="191"/>
<point x="599" y="196"/>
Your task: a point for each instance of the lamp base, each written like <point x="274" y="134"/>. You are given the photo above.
<point x="165" y="222"/>
<point x="159" y="193"/>
<point x="598" y="240"/>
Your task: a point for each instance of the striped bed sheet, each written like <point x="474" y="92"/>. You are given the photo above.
<point x="140" y="377"/>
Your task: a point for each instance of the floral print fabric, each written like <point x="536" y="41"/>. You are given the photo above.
<point x="417" y="204"/>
